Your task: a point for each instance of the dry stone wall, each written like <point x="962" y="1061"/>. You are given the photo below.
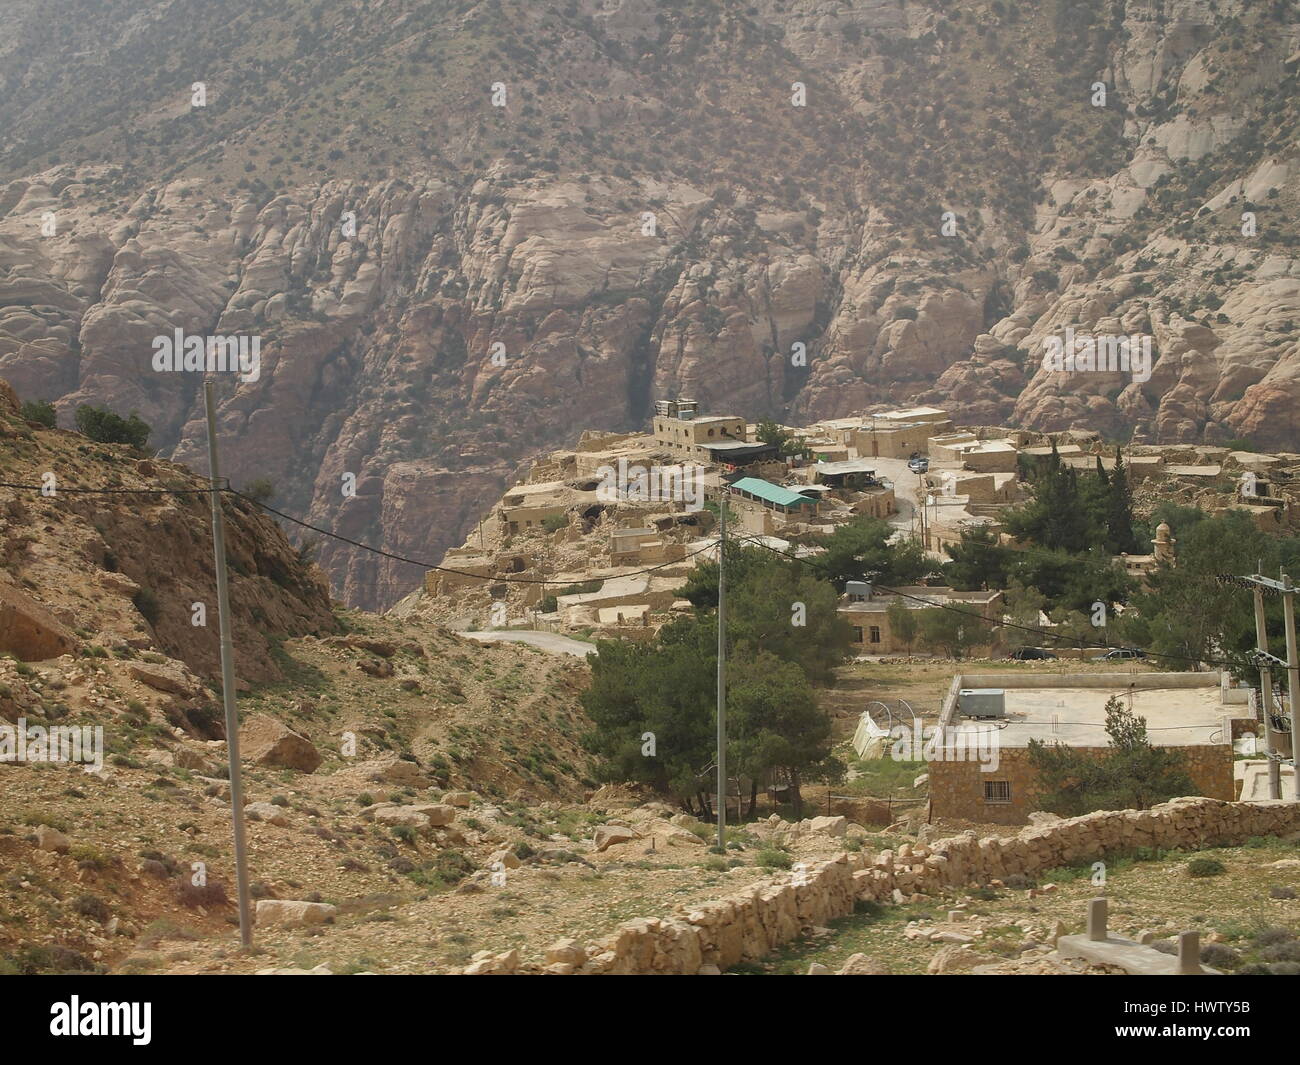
<point x="748" y="925"/>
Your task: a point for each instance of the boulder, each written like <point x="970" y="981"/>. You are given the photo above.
<point x="51" y="839"/>
<point x="290" y="913"/>
<point x="401" y="815"/>
<point x="458" y="798"/>
<point x="184" y="758"/>
<point x="861" y="965"/>
<point x="28" y="631"/>
<point x="485" y="963"/>
<point x="390" y="771"/>
<point x="607" y="835"/>
<point x="266" y="741"/>
<point x="439" y="814"/>
<point x="566" y="951"/>
<point x="268" y="812"/>
<point x="508" y="860"/>
<point x="955" y="959"/>
<point x="827" y="826"/>
<point x="164" y="677"/>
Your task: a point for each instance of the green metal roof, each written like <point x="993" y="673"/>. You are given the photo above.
<point x="781" y="497"/>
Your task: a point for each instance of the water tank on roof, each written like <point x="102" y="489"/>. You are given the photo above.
<point x="982" y="702"/>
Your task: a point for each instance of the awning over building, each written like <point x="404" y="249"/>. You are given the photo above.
<point x="766" y="492"/>
<point x="740" y="452"/>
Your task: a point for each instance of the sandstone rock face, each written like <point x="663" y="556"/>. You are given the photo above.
<point x="423" y="335"/>
<point x="28" y="631"/>
<point x="266" y="741"/>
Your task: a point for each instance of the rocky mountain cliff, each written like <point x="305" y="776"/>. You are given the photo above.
<point x="113" y="573"/>
<point x="462" y="232"/>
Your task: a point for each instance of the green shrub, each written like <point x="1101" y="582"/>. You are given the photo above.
<point x="92" y="906"/>
<point x="1202" y="867"/>
<point x="104" y="427"/>
<point x="259" y="490"/>
<point x="774" y="859"/>
<point x="40" y="412"/>
<point x="146" y="602"/>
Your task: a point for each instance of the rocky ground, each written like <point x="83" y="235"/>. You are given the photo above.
<point x="413" y="797"/>
<point x="1247" y="915"/>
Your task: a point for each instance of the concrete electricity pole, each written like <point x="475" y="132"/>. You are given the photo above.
<point x="722" y="673"/>
<point x="1266" y="695"/>
<point x="1292" y="678"/>
<point x="1267" y="662"/>
<point x="228" y="673"/>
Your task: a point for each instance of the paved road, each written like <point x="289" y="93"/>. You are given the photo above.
<point x="550" y="642"/>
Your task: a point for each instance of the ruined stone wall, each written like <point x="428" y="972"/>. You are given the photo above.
<point x="749" y="924"/>
<point x="957" y="788"/>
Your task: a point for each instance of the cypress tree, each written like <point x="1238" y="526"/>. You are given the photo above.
<point x="1119" y="518"/>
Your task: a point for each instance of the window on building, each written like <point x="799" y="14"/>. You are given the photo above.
<point x="857" y="633"/>
<point x="875" y="633"/>
<point x="997" y="791"/>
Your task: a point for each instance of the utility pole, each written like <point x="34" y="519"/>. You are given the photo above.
<point x="722" y="673"/>
<point x="922" y="499"/>
<point x="1266" y="695"/>
<point x="228" y="672"/>
<point x="1292" y="679"/>
<point x="1266" y="662"/>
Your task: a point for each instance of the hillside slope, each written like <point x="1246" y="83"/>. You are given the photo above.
<point x="443" y="287"/>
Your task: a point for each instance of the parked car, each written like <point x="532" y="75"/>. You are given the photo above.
<point x="1030" y="654"/>
<point x="1120" y="653"/>
<point x="918" y="464"/>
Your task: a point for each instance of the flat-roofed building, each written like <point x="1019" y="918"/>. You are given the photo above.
<point x="967" y="450"/>
<point x="981" y="770"/>
<point x="929" y="415"/>
<point x="629" y="547"/>
<point x="1137" y="468"/>
<point x="526" y="507"/>
<point x="892" y="440"/>
<point x="868" y="613"/>
<point x="678" y="426"/>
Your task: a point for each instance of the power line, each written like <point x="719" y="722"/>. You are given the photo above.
<point x="500" y="578"/>
<point x="495" y="578"/>
<point x="508" y="579"/>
